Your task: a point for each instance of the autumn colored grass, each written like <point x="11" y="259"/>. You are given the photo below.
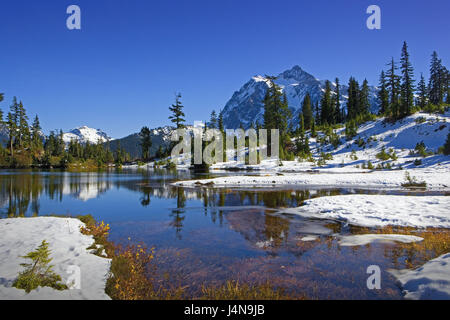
<point x="436" y="242"/>
<point x="133" y="274"/>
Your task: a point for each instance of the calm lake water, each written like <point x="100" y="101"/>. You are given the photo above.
<point x="210" y="235"/>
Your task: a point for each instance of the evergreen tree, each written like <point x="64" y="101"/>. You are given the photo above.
<point x="146" y="143"/>
<point x="326" y="111"/>
<point x="407" y="83"/>
<point x="313" y="128"/>
<point x="307" y="113"/>
<point x="38" y="273"/>
<point x="337" y="103"/>
<point x="436" y="81"/>
<point x="276" y="112"/>
<point x="302" y="141"/>
<point x="447" y="85"/>
<point x="383" y="94"/>
<point x="302" y="126"/>
<point x="317" y="113"/>
<point x="220" y="122"/>
<point x="213" y="120"/>
<point x="1" y="111"/>
<point x="36" y="141"/>
<point x="364" y="104"/>
<point x="422" y="100"/>
<point x="12" y="131"/>
<point x="393" y="89"/>
<point x="23" y="128"/>
<point x="178" y="115"/>
<point x="119" y="156"/>
<point x="446" y="147"/>
<point x="353" y="99"/>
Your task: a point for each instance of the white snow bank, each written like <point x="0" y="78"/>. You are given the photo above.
<point x="431" y="281"/>
<point x="435" y="179"/>
<point x="68" y="247"/>
<point x="380" y="210"/>
<point x="363" y="239"/>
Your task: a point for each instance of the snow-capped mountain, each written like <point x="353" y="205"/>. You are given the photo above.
<point x="246" y="105"/>
<point x="85" y="134"/>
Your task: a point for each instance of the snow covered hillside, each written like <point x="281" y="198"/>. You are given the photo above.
<point x="359" y="158"/>
<point x="85" y="134"/>
<point x="246" y="105"/>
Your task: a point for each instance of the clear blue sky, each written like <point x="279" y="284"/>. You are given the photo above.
<point x="121" y="70"/>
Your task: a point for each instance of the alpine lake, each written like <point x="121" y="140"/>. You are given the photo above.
<point x="210" y="235"/>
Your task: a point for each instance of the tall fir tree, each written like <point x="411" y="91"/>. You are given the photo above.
<point x="326" y="105"/>
<point x="447" y="85"/>
<point x="393" y="89"/>
<point x="276" y="112"/>
<point x="36" y="141"/>
<point x="353" y="99"/>
<point x="213" y="120"/>
<point x="422" y="88"/>
<point x="383" y="94"/>
<point x="178" y="115"/>
<point x="338" y="117"/>
<point x="307" y="112"/>
<point x="146" y="143"/>
<point x="317" y="113"/>
<point x="220" y="122"/>
<point x="407" y="83"/>
<point x="12" y="131"/>
<point x="436" y="81"/>
<point x="364" y="103"/>
<point x="23" y="128"/>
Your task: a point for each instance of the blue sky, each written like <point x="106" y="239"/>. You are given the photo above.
<point x="120" y="72"/>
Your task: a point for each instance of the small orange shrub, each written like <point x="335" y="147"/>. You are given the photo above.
<point x="98" y="230"/>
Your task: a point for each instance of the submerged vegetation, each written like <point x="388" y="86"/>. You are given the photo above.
<point x="436" y="241"/>
<point x="133" y="274"/>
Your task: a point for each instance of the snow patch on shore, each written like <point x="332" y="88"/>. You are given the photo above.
<point x="363" y="239"/>
<point x="379" y="210"/>
<point x="431" y="281"/>
<point x="68" y="248"/>
<point x="435" y="179"/>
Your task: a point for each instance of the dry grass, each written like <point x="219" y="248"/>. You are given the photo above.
<point x="233" y="290"/>
<point x="436" y="242"/>
<point x="133" y="275"/>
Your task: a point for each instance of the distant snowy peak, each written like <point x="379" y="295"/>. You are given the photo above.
<point x="85" y="134"/>
<point x="246" y="105"/>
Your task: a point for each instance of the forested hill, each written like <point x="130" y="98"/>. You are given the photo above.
<point x="132" y="143"/>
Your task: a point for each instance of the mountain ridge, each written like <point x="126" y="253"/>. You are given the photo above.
<point x="246" y="105"/>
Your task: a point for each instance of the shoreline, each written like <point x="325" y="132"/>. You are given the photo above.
<point x="435" y="180"/>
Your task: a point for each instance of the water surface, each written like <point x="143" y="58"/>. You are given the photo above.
<point x="209" y="235"/>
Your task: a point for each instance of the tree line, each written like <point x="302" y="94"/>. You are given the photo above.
<point x="397" y="96"/>
<point x="27" y="146"/>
